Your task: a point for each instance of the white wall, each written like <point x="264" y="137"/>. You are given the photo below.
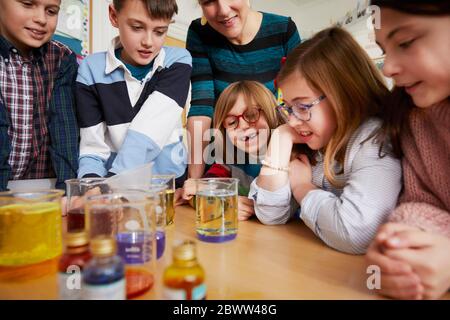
<point x="102" y="31"/>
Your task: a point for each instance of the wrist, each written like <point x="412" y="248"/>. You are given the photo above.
<point x="279" y="150"/>
<point x="301" y="190"/>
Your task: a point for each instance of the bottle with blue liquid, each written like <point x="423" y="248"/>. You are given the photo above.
<point x="104" y="275"/>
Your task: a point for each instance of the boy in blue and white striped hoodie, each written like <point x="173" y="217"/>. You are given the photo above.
<point x="130" y="99"/>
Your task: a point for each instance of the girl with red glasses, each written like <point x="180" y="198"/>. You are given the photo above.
<point x="244" y="116"/>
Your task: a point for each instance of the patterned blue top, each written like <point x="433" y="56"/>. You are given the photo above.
<point x="217" y="62"/>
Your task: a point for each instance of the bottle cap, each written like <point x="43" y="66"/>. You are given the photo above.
<point x="103" y="246"/>
<point x="185" y="251"/>
<point x="77" y="239"/>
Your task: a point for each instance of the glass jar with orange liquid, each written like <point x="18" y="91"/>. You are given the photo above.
<point x="184" y="279"/>
<point x="30" y="227"/>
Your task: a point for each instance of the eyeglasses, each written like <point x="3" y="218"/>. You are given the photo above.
<point x="300" y="110"/>
<point x="251" y="115"/>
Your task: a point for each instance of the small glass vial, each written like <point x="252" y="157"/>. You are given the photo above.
<point x="184" y="279"/>
<point x="104" y="275"/>
<point x="71" y="265"/>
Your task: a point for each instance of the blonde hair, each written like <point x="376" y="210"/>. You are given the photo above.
<point x="333" y="63"/>
<point x="253" y="92"/>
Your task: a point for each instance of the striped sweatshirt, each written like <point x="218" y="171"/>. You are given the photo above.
<point x="216" y="62"/>
<point x="344" y="218"/>
<point x="125" y="122"/>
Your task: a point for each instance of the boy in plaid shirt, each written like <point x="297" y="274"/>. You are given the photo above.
<point x="38" y="128"/>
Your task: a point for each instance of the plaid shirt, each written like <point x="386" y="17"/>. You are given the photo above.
<point x="38" y="129"/>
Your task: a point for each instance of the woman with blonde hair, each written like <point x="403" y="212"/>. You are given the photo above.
<point x="332" y="94"/>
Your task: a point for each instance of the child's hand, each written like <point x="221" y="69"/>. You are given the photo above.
<point x="300" y="177"/>
<point x="300" y="170"/>
<point x="398" y="278"/>
<point x="178" y="197"/>
<point x="246" y="208"/>
<point x="287" y="132"/>
<point x="428" y="254"/>
<point x="77" y="202"/>
<point x="185" y="194"/>
<point x="388" y="230"/>
<point x="64" y="206"/>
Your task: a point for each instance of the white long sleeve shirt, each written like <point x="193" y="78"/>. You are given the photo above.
<point x="344" y="218"/>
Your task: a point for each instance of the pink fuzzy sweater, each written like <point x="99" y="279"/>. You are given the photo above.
<point x="425" y="202"/>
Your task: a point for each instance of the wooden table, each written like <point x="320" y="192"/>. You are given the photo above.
<point x="263" y="262"/>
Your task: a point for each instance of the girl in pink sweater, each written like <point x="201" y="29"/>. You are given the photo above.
<point x="413" y="249"/>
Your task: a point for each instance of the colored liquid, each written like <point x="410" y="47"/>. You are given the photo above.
<point x="138" y="282"/>
<point x="134" y="247"/>
<point x="75" y="219"/>
<point x="102" y="223"/>
<point x="29" y="233"/>
<point x="75" y="256"/>
<point x="104" y="279"/>
<point x="160" y="243"/>
<point x="184" y="279"/>
<point x="102" y="271"/>
<point x="216" y="215"/>
<point x="135" y="250"/>
<point x="170" y="210"/>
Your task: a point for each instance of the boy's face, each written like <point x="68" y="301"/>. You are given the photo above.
<point x="141" y="36"/>
<point x="28" y="24"/>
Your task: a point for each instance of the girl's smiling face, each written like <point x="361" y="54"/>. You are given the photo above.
<point x="316" y="132"/>
<point x="417" y="52"/>
<point x="248" y="137"/>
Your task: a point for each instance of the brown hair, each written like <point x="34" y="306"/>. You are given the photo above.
<point x="253" y="92"/>
<point x="417" y="7"/>
<point x="398" y="105"/>
<point x="158" y="9"/>
<point x="333" y="63"/>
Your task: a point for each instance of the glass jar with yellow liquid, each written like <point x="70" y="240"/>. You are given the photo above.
<point x="30" y="227"/>
<point x="216" y="209"/>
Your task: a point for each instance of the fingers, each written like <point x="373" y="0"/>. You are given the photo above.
<point x="243" y="215"/>
<point x="303" y="158"/>
<point x="410" y="256"/>
<point x="245" y="208"/>
<point x="245" y="200"/>
<point x="389" y="229"/>
<point x="397" y="277"/>
<point x="93" y="192"/>
<point x="189" y="189"/>
<point x="410" y="239"/>
<point x="386" y="264"/>
<point x="64" y="206"/>
<point x="76" y="202"/>
<point x="401" y="286"/>
<point x="187" y="197"/>
<point x="178" y="197"/>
